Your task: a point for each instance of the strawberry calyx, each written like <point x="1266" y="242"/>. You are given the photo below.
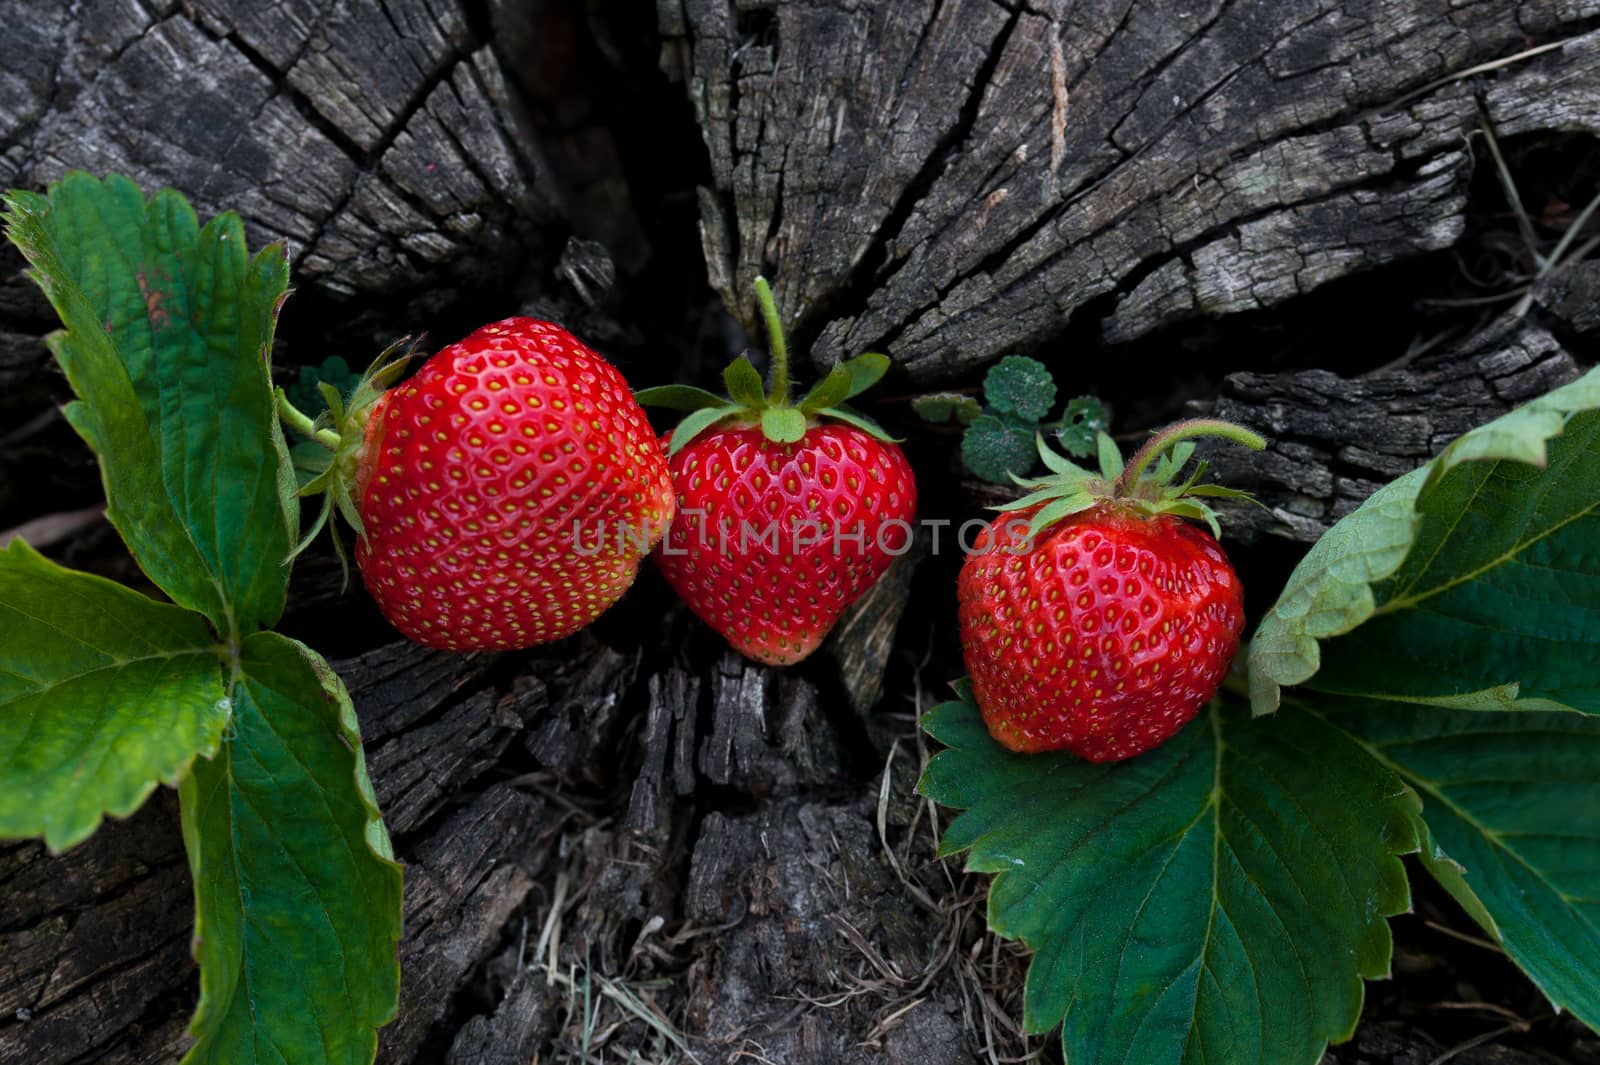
<point x="749" y="402"/>
<point x="328" y="461"/>
<point x="1147" y="484"/>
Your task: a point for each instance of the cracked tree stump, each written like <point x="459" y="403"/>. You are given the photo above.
<point x="382" y="143"/>
<point x="952" y="180"/>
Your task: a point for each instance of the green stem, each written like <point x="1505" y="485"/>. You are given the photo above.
<point x="297" y="420"/>
<point x="780" y="349"/>
<point x="1183" y="430"/>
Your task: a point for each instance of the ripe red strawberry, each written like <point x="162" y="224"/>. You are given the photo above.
<point x="785" y="515"/>
<point x="506" y="492"/>
<point x="1094" y="618"/>
<point x="772" y="541"/>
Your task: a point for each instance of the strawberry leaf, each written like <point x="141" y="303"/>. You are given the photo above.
<point x="1482" y="565"/>
<point x="1021" y="386"/>
<point x="996" y="450"/>
<point x="104" y="693"/>
<point x="1217" y="899"/>
<point x="168" y="326"/>
<point x="1513" y="817"/>
<point x="297" y="895"/>
<point x="1085" y="418"/>
<point x="942" y="407"/>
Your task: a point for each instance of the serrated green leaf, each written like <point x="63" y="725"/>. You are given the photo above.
<point x="783" y="425"/>
<point x="104" y="693"/>
<point x="995" y="450"/>
<point x="834" y="388"/>
<point x="866" y="370"/>
<point x="297" y="895"/>
<point x="1511" y="799"/>
<point x="679" y="397"/>
<point x="1480" y="564"/>
<point x="743" y="382"/>
<point x="168" y="326"/>
<point x="1218" y="899"/>
<point x="1085" y="418"/>
<point x="1021" y="386"/>
<point x="943" y="407"/>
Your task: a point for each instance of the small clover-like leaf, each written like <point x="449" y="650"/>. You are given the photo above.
<point x="943" y="407"/>
<point x="1081" y="423"/>
<point x="997" y="450"/>
<point x="1021" y="386"/>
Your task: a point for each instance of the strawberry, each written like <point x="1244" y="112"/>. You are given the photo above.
<point x="505" y="494"/>
<point x="1094" y="618"/>
<point x="787" y="513"/>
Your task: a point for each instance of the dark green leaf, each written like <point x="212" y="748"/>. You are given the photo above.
<point x="942" y="407"/>
<point x="297" y="896"/>
<point x="1217" y="899"/>
<point x="679" y="397"/>
<point x="783" y="425"/>
<point x="995" y="450"/>
<point x="865" y="371"/>
<point x="743" y="382"/>
<point x="834" y="388"/>
<point x="1481" y="565"/>
<point x="168" y="329"/>
<point x="1021" y="386"/>
<point x="1081" y="423"/>
<point x="1511" y="799"/>
<point x="104" y="693"/>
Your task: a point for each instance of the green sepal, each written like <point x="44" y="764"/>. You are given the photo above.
<point x="852" y="417"/>
<point x="834" y="388"/>
<point x="1110" y="457"/>
<point x="744" y="385"/>
<point x="1061" y="507"/>
<point x="1168" y="465"/>
<point x="678" y="397"/>
<point x="783" y="425"/>
<point x="1058" y="463"/>
<point x="698" y="422"/>
<point x="865" y="371"/>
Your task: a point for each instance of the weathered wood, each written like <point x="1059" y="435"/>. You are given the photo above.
<point x="956" y="179"/>
<point x="1334" y="441"/>
<point x="382" y="142"/>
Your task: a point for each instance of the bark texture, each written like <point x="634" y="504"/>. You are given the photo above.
<point x="952" y="180"/>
